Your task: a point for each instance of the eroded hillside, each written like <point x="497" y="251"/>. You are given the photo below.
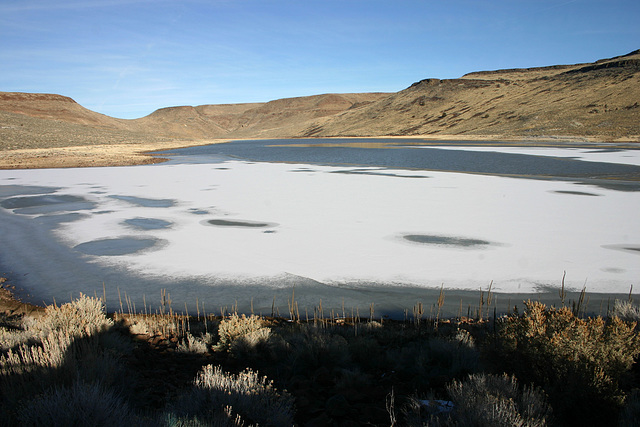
<point x="599" y="101"/>
<point x="585" y="100"/>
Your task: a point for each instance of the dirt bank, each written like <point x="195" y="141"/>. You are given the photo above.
<point x="91" y="155"/>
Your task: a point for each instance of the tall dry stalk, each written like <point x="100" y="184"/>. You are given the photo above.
<point x="440" y="304"/>
<point x="563" y="292"/>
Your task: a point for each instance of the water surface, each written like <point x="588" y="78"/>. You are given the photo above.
<point x="401" y="154"/>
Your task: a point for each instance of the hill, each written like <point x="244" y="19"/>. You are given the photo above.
<point x="31" y="121"/>
<point x="35" y="120"/>
<point x="600" y="100"/>
<point x="595" y="101"/>
<point x="282" y="117"/>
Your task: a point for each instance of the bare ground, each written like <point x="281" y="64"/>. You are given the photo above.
<point x="91" y="155"/>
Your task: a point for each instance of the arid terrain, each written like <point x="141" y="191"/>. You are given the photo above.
<point x="597" y="101"/>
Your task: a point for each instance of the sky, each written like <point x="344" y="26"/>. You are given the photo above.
<point x="127" y="58"/>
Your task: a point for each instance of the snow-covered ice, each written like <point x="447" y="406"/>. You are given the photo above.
<point x="243" y="221"/>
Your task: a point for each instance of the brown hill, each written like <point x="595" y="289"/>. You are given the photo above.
<point x="54" y="107"/>
<point x="29" y="120"/>
<point x="599" y="100"/>
<point x="282" y="117"/>
<point x="37" y="120"/>
<point x="192" y="122"/>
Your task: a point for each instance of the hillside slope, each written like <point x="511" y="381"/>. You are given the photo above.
<point x="37" y="120"/>
<point x="282" y="117"/>
<point x="55" y="107"/>
<point x="599" y="101"/>
<point x="584" y="100"/>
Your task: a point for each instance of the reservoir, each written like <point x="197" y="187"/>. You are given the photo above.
<point x="497" y="159"/>
<point x="346" y="223"/>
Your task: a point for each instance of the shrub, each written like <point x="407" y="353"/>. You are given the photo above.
<point x="84" y="316"/>
<point x="241" y="332"/>
<point x="153" y="324"/>
<point x="222" y="420"/>
<point x="630" y="415"/>
<point x="66" y="344"/>
<point x="490" y="400"/>
<point x="579" y="362"/>
<point x="245" y="396"/>
<point x="457" y="354"/>
<point x="432" y="361"/>
<point x="13" y="337"/>
<point x="196" y="344"/>
<point x="80" y="404"/>
<point x="46" y="341"/>
<point x="626" y="311"/>
<point x="311" y="348"/>
<point x="367" y="352"/>
<point x="480" y="400"/>
<point x="247" y="344"/>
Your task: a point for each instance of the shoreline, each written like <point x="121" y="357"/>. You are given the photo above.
<point x="106" y="155"/>
<point x="93" y="155"/>
<point x="454" y="305"/>
<point x="11" y="305"/>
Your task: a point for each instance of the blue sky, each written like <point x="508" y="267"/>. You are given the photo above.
<point x="127" y="58"/>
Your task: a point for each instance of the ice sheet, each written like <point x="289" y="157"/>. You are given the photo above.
<point x="249" y="221"/>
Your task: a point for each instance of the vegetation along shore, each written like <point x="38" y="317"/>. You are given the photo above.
<point x="538" y="365"/>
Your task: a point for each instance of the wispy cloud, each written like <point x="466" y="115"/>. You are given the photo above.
<point x="24" y="6"/>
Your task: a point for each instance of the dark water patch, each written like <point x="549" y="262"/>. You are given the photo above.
<point x="372" y="173"/>
<point x="146" y="203"/>
<point x="606" y="150"/>
<point x="197" y="211"/>
<point x="627" y="186"/>
<point x="575" y="193"/>
<point x="103" y="212"/>
<point x="629" y="248"/>
<point x="147" y="223"/>
<point x="117" y="246"/>
<point x="46" y="204"/>
<point x="55" y="220"/>
<point x="239" y="223"/>
<point x="18" y="190"/>
<point x="614" y="270"/>
<point x="428" y="239"/>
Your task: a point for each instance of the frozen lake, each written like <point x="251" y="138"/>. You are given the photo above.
<point x="347" y="222"/>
